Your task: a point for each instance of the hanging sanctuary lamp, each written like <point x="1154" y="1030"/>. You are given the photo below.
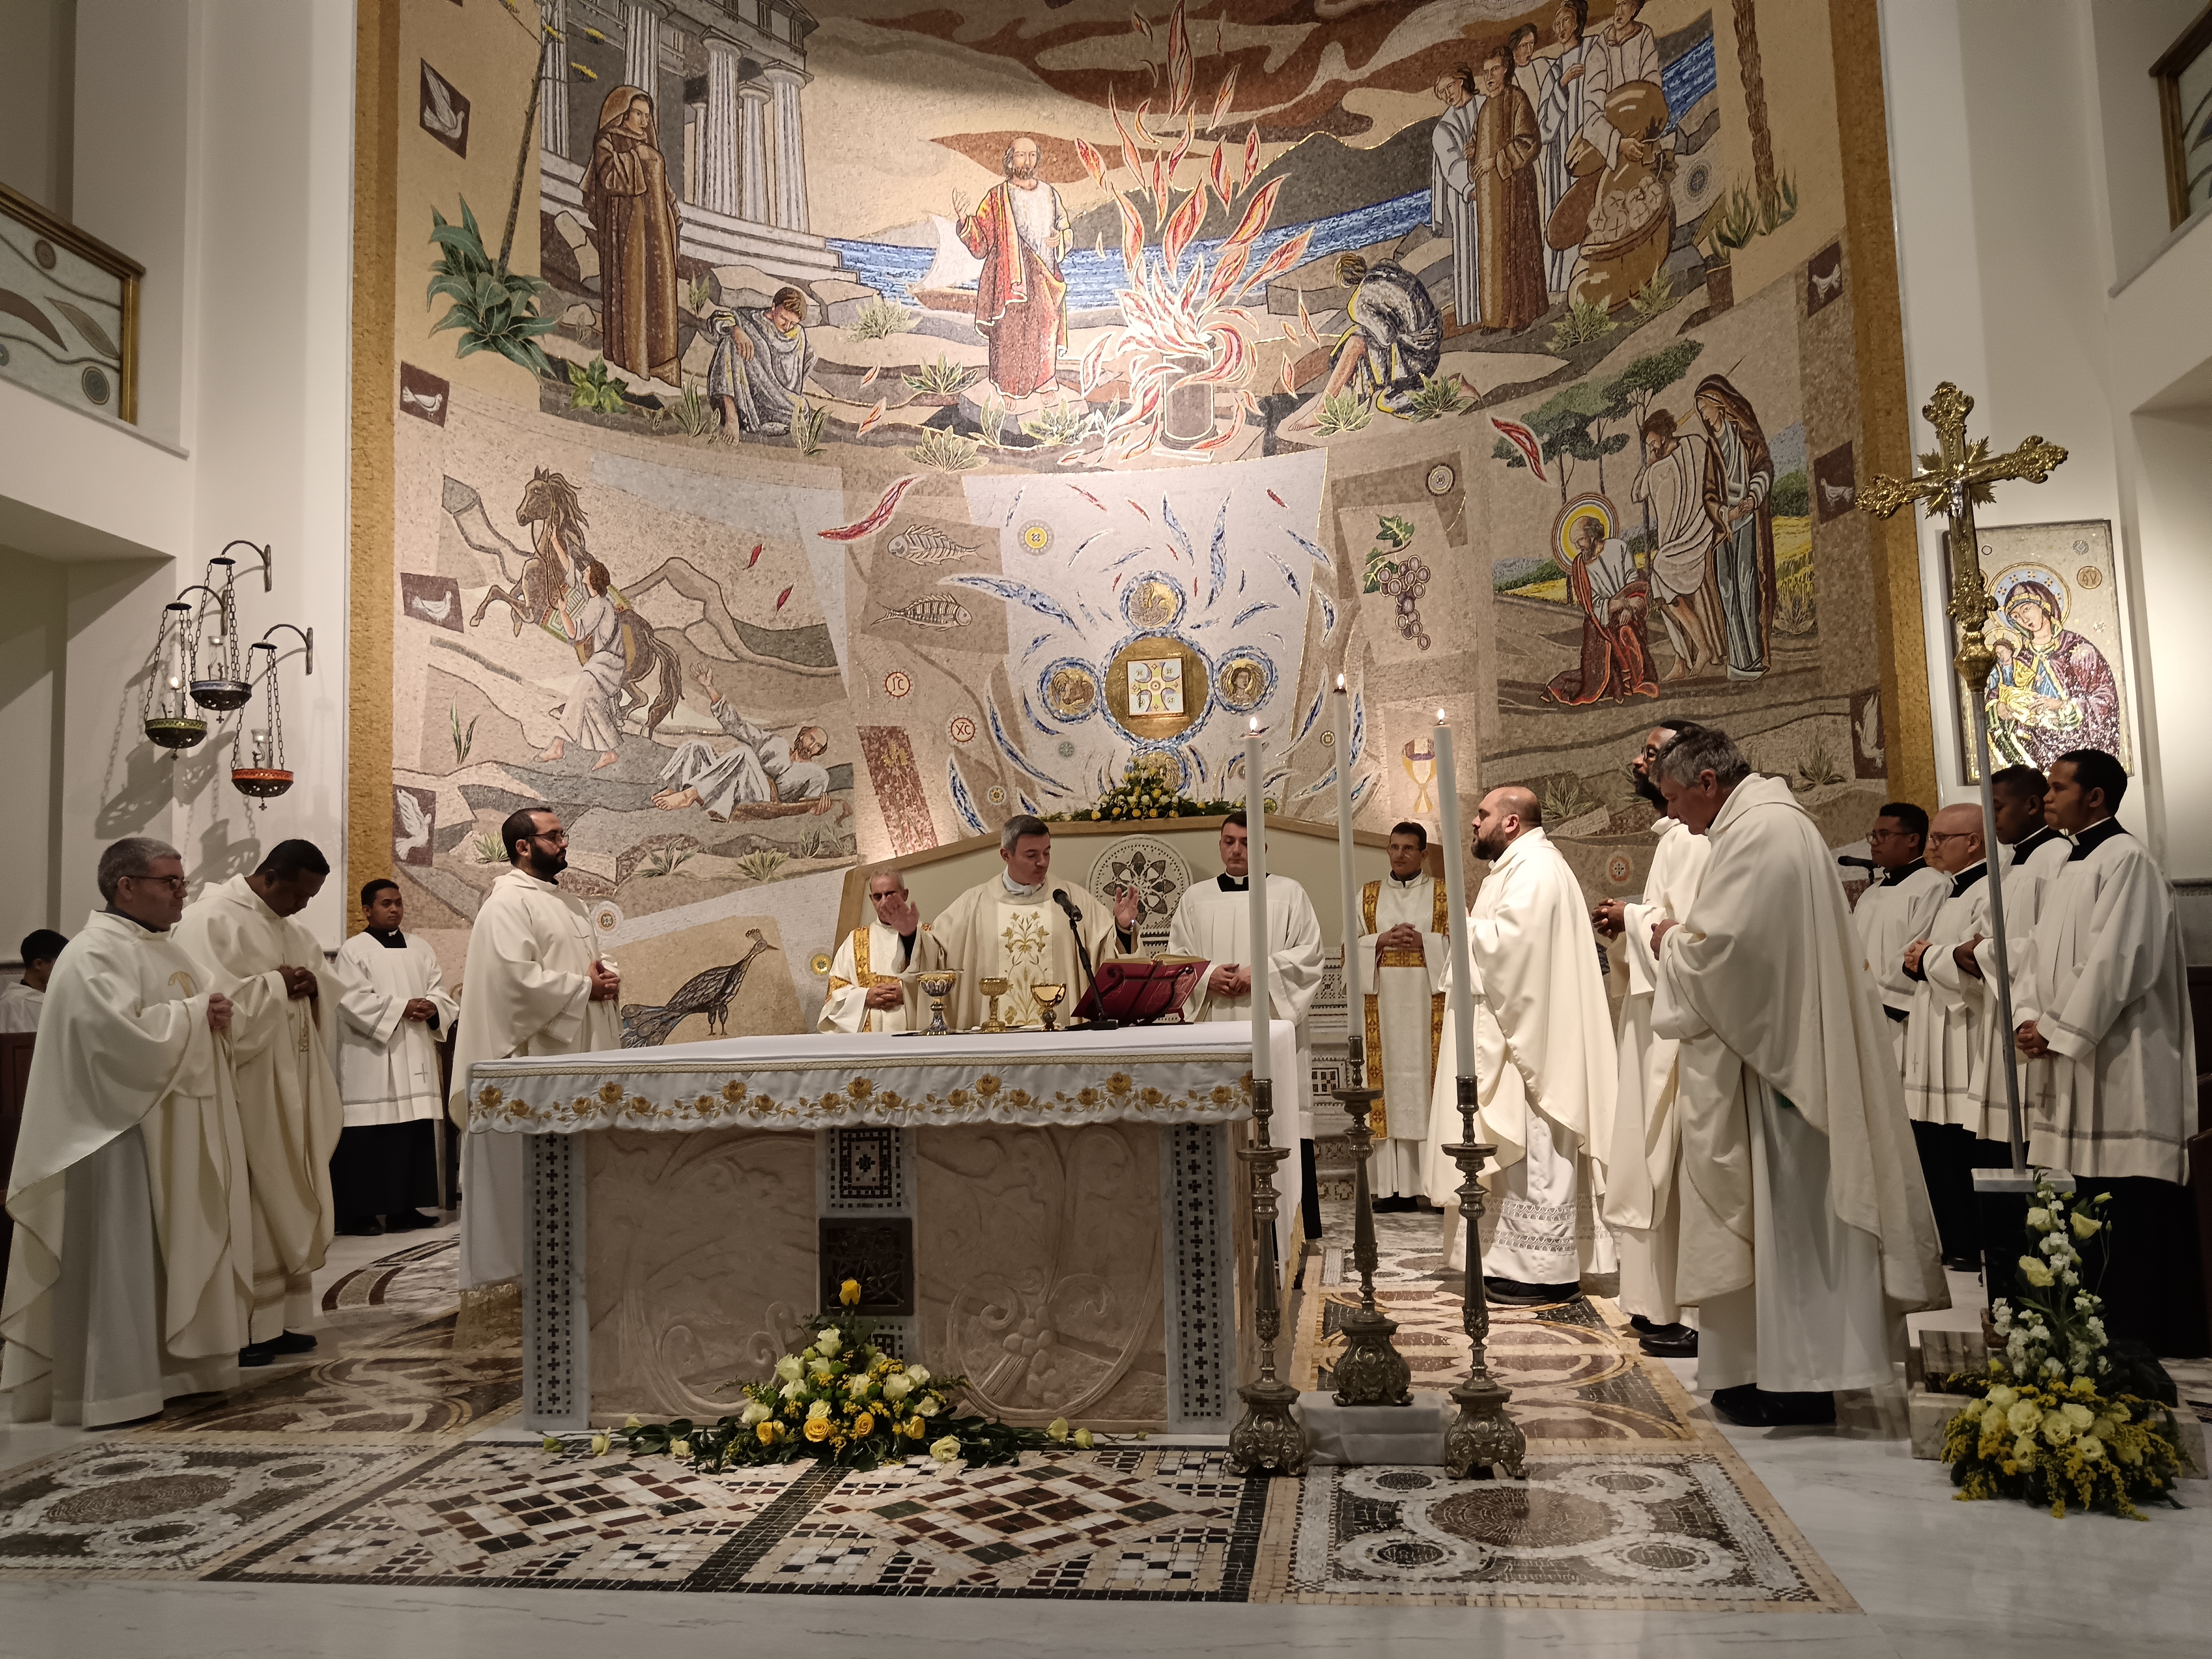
<point x="265" y="776"/>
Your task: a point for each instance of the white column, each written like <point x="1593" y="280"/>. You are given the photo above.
<point x="641" y="62"/>
<point x="790" y="149"/>
<point x="752" y="143"/>
<point x="553" y="79"/>
<point x="718" y="130"/>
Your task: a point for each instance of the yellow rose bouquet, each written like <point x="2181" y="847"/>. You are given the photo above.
<point x="1149" y="789"/>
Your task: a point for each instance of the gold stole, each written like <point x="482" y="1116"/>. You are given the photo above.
<point x="861" y="976"/>
<point x="1439" y="922"/>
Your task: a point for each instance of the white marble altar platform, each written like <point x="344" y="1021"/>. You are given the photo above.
<point x="1059" y="1216"/>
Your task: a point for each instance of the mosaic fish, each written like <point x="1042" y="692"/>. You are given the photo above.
<point x="933" y="610"/>
<point x="925" y="545"/>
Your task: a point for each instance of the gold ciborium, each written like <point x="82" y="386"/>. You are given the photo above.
<point x="937" y="985"/>
<point x="1048" y="997"/>
<point x="993" y="989"/>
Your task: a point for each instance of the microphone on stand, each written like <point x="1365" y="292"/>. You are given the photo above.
<point x="1097" y="1022"/>
<point x="1861" y="864"/>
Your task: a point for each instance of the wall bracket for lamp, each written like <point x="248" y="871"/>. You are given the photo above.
<point x="268" y="575"/>
<point x="306" y="639"/>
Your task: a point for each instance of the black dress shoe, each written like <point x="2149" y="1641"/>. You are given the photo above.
<point x="1750" y="1406"/>
<point x="1668" y="1346"/>
<point x="408" y="1221"/>
<point x="358" y="1226"/>
<point x="1640" y="1325"/>
<point x="290" y="1342"/>
<point x="1519" y="1293"/>
<point x="256" y="1353"/>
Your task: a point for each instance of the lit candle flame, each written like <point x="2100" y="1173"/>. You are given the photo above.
<point x="176" y="684"/>
<point x="1255" y="725"/>
<point x="1339" y="682"/>
<point x="1440" y="717"/>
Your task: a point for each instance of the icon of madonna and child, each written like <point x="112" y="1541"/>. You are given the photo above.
<point x="2051" y="690"/>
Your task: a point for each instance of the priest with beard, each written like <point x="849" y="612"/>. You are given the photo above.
<point x="1213" y="919"/>
<point x="271" y="968"/>
<point x="131" y="1278"/>
<point x="393" y="1010"/>
<point x="2104" y="1013"/>
<point x="1022" y="927"/>
<point x="1401" y="954"/>
<point x="533" y="984"/>
<point x="1545" y="1064"/>
<point x="1641" y="1207"/>
<point x="1896" y="910"/>
<point x="1806" y="1233"/>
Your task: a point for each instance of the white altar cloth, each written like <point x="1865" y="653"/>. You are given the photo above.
<point x="1164" y="1074"/>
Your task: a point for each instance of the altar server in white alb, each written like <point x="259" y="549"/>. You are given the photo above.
<point x="132" y="1275"/>
<point x="1954" y="1094"/>
<point x="534" y="984"/>
<point x="1545" y="1063"/>
<point x="1213" y="919"/>
<point x="2019" y="793"/>
<point x="1028" y="927"/>
<point x="21" y="1002"/>
<point x="1642" y="1207"/>
<point x="392" y="1011"/>
<point x="1896" y="910"/>
<point x="1402" y="952"/>
<point x="1806" y="1230"/>
<point x="272" y="970"/>
<point x="2105" y="1016"/>
<point x="866" y="991"/>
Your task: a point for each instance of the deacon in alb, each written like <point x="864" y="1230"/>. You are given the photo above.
<point x="390" y="1016"/>
<point x="533" y="984"/>
<point x="132" y="1275"/>
<point x="1953" y="1092"/>
<point x="1806" y="1230"/>
<point x="272" y="969"/>
<point x="1022" y="927"/>
<point x="867" y="992"/>
<point x="1213" y="919"/>
<point x="2105" y="1012"/>
<point x="1545" y="1062"/>
<point x="1402" y="952"/>
<point x="1641" y="1207"/>
<point x="1896" y="910"/>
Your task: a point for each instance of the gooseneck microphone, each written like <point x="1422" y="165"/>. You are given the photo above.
<point x="1860" y="864"/>
<point x="1075" y="914"/>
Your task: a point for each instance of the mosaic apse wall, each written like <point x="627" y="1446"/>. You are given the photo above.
<point x="830" y="431"/>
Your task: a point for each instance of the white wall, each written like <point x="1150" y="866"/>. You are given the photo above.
<point x="2024" y="143"/>
<point x="213" y="142"/>
<point x="37" y="87"/>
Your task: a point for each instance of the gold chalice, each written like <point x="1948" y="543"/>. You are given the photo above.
<point x="937" y="985"/>
<point x="993" y="989"/>
<point x="1048" y="997"/>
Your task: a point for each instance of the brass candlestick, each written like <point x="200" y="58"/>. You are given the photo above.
<point x="1372" y="1372"/>
<point x="992" y="989"/>
<point x="1048" y="997"/>
<point x="1483" y="1435"/>
<point x="937" y="985"/>
<point x="1266" y="1438"/>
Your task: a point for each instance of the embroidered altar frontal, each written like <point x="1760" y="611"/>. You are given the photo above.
<point x="1061" y="1218"/>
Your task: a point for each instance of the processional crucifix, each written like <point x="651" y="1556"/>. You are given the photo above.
<point x="1951" y="479"/>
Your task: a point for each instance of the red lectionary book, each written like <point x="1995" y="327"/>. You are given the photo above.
<point x="1140" y="990"/>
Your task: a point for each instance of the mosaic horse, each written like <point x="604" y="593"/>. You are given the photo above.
<point x="554" y="514"/>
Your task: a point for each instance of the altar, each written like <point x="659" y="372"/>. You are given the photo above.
<point x="1060" y="1218"/>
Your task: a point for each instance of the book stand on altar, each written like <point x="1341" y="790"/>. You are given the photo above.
<point x="1140" y="991"/>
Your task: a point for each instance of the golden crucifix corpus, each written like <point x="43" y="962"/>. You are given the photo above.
<point x="1951" y="480"/>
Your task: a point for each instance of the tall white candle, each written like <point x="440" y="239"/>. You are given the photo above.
<point x="1341" y="719"/>
<point x="1256" y="826"/>
<point x="1462" y="984"/>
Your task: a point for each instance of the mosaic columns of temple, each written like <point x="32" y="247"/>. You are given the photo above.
<point x="752" y="171"/>
<point x="718" y="133"/>
<point x="641" y="58"/>
<point x="553" y="78"/>
<point x="790" y="207"/>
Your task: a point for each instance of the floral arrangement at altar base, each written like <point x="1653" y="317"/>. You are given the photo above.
<point x="2043" y="1430"/>
<point x="840" y="1399"/>
<point x="1148" y="790"/>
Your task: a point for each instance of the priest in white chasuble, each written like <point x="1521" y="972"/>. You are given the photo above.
<point x="2019" y="793"/>
<point x="1953" y="1092"/>
<point x="1028" y="928"/>
<point x="272" y="970"/>
<point x="392" y="1009"/>
<point x="1213" y="919"/>
<point x="1402" y="953"/>
<point x="1544" y="1064"/>
<point x="866" y="991"/>
<point x="2105" y="1016"/>
<point x="1896" y="908"/>
<point x="1641" y="1206"/>
<point x="1806" y="1230"/>
<point x="132" y="1276"/>
<point x="534" y="984"/>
